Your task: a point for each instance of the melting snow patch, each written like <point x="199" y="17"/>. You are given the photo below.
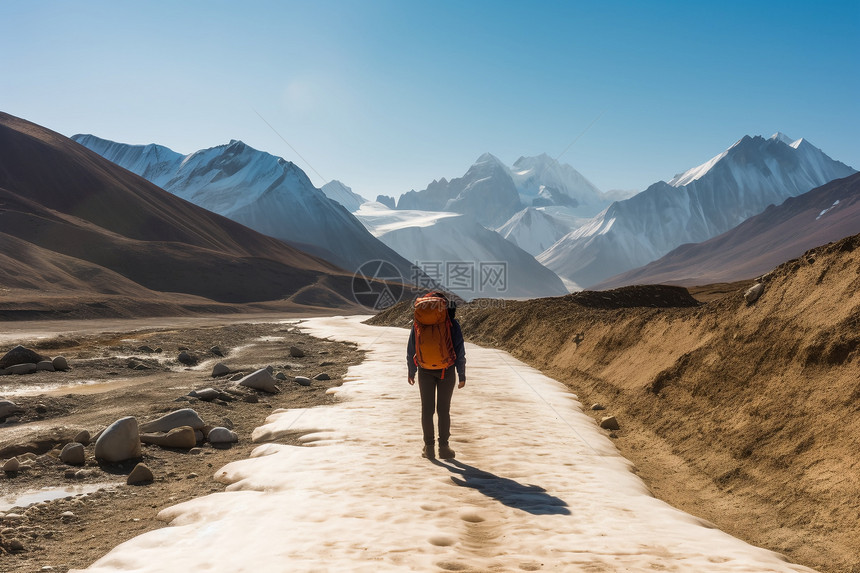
<point x="820" y="215"/>
<point x="535" y="483"/>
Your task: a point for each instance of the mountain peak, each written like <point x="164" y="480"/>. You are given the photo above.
<point x="780" y="136"/>
<point x="488" y="158"/>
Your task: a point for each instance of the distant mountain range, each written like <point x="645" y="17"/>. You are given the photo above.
<point x="694" y="206"/>
<point x="73" y="223"/>
<point x="779" y="233"/>
<point x="264" y="192"/>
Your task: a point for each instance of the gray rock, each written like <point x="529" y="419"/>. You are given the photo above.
<point x="22" y="369"/>
<point x="46" y="365"/>
<point x="236" y="377"/>
<point x="139" y="475"/>
<point x="322" y="376"/>
<point x="752" y="293"/>
<point x="220" y="370"/>
<point x="182" y="437"/>
<point x="270" y="369"/>
<point x="597" y="407"/>
<point x="12" y="465"/>
<point x="326" y="363"/>
<point x="184" y="417"/>
<point x="15" y="545"/>
<point x="145" y="348"/>
<point x="60" y="363"/>
<point x="7" y="408"/>
<point x="73" y="454"/>
<point x="198" y="435"/>
<point x="20" y="355"/>
<point x="216" y="350"/>
<point x="119" y="442"/>
<point x="281" y="376"/>
<point x="206" y="394"/>
<point x="83" y="437"/>
<point x="227" y="423"/>
<point x="221" y="435"/>
<point x="303" y="380"/>
<point x="186" y="358"/>
<point x="260" y="380"/>
<point x="296" y="352"/>
<point x="609" y="423"/>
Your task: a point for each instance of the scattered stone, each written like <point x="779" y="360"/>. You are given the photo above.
<point x="303" y="380"/>
<point x="216" y="350"/>
<point x="13" y="419"/>
<point x="250" y="399"/>
<point x="219" y="370"/>
<point x="139" y="475"/>
<point x="206" y="394"/>
<point x="70" y="473"/>
<point x="195" y="451"/>
<point x="22" y="369"/>
<point x="60" y="363"/>
<point x="46" y="365"/>
<point x="12" y="518"/>
<point x="221" y="435"/>
<point x="12" y="465"/>
<point x="27" y="457"/>
<point x="158" y="350"/>
<point x="67" y="516"/>
<point x="184" y="417"/>
<point x="613" y="435"/>
<point x="236" y="377"/>
<point x="83" y="437"/>
<point x="227" y="423"/>
<point x="73" y="454"/>
<point x="260" y="380"/>
<point x="192" y="475"/>
<point x="8" y="408"/>
<point x="119" y="442"/>
<point x="182" y="437"/>
<point x="83" y="474"/>
<point x="609" y="423"/>
<point x="326" y="363"/>
<point x="270" y="369"/>
<point x="145" y="348"/>
<point x="187" y="359"/>
<point x="41" y="408"/>
<point x="296" y="352"/>
<point x="198" y="436"/>
<point x="322" y="376"/>
<point x="281" y="376"/>
<point x="15" y="545"/>
<point x="598" y="407"/>
<point x="20" y="355"/>
<point x="753" y="293"/>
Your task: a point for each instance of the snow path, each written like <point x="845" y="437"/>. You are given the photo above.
<point x="535" y="486"/>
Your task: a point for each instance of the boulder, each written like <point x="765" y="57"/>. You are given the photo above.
<point x="219" y="370"/>
<point x="20" y="355"/>
<point x="119" y="442"/>
<point x="184" y="417"/>
<point x="46" y="365"/>
<point x="60" y="363"/>
<point x="609" y="423"/>
<point x="73" y="454"/>
<point x="186" y="358"/>
<point x="139" y="475"/>
<point x="221" y="435"/>
<point x="303" y="380"/>
<point x="181" y="437"/>
<point x="12" y="465"/>
<point x="83" y="437"/>
<point x="205" y="394"/>
<point x="8" y="408"/>
<point x="296" y="352"/>
<point x="216" y="350"/>
<point x="28" y="368"/>
<point x="752" y="293"/>
<point x="260" y="380"/>
<point x="322" y="376"/>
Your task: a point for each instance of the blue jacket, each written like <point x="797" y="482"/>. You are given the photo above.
<point x="459" y="351"/>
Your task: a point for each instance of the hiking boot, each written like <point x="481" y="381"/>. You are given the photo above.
<point x="428" y="452"/>
<point x="445" y="452"/>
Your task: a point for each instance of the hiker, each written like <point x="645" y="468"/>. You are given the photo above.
<point x="436" y="351"/>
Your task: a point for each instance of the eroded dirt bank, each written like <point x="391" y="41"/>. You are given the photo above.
<point x="744" y="414"/>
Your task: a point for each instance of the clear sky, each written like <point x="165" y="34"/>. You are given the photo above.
<point x="388" y="95"/>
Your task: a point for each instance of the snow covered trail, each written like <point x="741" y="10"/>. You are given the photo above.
<point x="535" y="486"/>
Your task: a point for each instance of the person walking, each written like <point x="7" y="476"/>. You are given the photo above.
<point x="436" y="351"/>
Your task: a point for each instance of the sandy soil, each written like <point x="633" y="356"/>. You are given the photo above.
<point x="94" y="510"/>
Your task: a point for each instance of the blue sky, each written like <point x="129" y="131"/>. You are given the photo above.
<point x="389" y="95"/>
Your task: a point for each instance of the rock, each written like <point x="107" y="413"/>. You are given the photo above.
<point x="119" y="442"/>
<point x="41" y="408"/>
<point x="250" y="399"/>
<point x="326" y="363"/>
<point x="22" y="369"/>
<point x="219" y="370"/>
<point x="281" y="376"/>
<point x="216" y="350"/>
<point x="296" y="352"/>
<point x="69" y="473"/>
<point x="145" y="348"/>
<point x="15" y="545"/>
<point x="182" y="437"/>
<point x="67" y="516"/>
<point x="221" y="435"/>
<point x="8" y="408"/>
<point x="60" y="363"/>
<point x="46" y="365"/>
<point x="598" y="407"/>
<point x="73" y="454"/>
<point x="198" y="436"/>
<point x="20" y="355"/>
<point x="12" y="518"/>
<point x="27" y="457"/>
<point x="139" y="475"/>
<point x="187" y="359"/>
<point x="609" y="423"/>
<point x="184" y="417"/>
<point x="83" y="437"/>
<point x="227" y="423"/>
<point x="303" y="380"/>
<point x="322" y="376"/>
<point x="752" y="293"/>
<point x="13" y="419"/>
<point x="260" y="380"/>
<point x="206" y="394"/>
<point x="12" y="465"/>
<point x="236" y="377"/>
<point x="270" y="369"/>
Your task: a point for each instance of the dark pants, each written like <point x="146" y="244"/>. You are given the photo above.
<point x="436" y="393"/>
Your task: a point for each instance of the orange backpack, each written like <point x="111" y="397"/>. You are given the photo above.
<point x="434" y="349"/>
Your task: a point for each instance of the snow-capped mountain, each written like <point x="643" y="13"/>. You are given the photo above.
<point x="339" y="192"/>
<point x="472" y="261"/>
<point x="533" y="230"/>
<point x="694" y="206"/>
<point x="259" y="190"/>
<point x="542" y="181"/>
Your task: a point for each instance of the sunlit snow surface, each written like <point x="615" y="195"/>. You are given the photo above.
<point x="535" y="486"/>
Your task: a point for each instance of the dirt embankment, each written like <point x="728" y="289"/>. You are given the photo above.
<point x="744" y="414"/>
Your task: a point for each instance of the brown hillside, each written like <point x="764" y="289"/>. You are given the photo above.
<point x="745" y="415"/>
